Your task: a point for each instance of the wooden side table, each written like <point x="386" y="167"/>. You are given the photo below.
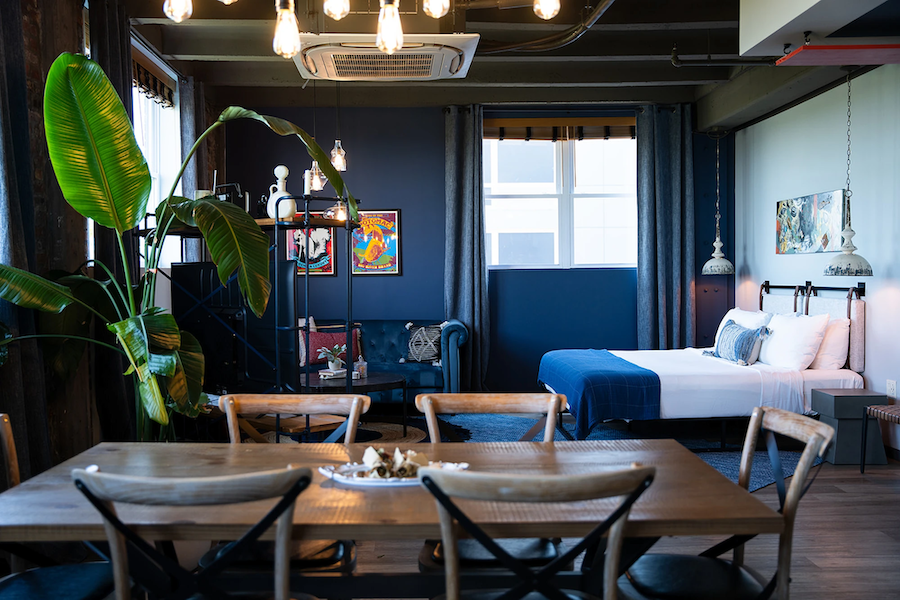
<point x="843" y="410"/>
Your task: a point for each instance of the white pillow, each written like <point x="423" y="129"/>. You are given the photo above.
<point x="744" y="318"/>
<point x="312" y="323"/>
<point x="832" y="353"/>
<point x="793" y="341"/>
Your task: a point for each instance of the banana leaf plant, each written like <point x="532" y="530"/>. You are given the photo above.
<point x="103" y="175"/>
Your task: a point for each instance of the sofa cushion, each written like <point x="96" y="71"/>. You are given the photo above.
<point x="319" y="339"/>
<point x="424" y="342"/>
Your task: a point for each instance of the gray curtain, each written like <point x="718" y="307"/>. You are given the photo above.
<point x="666" y="312"/>
<point x="22" y="392"/>
<point x="465" y="267"/>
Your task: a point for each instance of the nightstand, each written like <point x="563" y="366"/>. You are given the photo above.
<point x="843" y="410"/>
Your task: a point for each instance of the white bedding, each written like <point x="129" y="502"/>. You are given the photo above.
<point x="697" y="386"/>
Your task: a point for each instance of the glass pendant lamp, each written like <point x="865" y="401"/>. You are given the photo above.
<point x="848" y="263"/>
<point x="338" y="154"/>
<point x="389" y="38"/>
<point x="718" y="264"/>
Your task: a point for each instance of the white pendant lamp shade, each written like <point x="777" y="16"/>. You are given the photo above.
<point x="718" y="264"/>
<point x="847" y="263"/>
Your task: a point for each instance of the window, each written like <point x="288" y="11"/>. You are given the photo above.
<point x="565" y="203"/>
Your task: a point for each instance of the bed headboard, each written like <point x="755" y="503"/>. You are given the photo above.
<point x="805" y="299"/>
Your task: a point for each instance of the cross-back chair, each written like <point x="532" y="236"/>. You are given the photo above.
<point x="349" y="405"/>
<point x="548" y="405"/>
<point x="84" y="581"/>
<point x="628" y="484"/>
<point x="160" y="574"/>
<point x="707" y="577"/>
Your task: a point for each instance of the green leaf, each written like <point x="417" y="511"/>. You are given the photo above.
<point x="134" y="335"/>
<point x="98" y="164"/>
<point x="236" y="242"/>
<point x="162" y="331"/>
<point x="194" y="363"/>
<point x="152" y="400"/>
<point x="163" y="364"/>
<point x="5" y="338"/>
<point x="282" y="127"/>
<point x="31" y="291"/>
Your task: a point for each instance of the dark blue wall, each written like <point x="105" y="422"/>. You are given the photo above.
<point x="395" y="161"/>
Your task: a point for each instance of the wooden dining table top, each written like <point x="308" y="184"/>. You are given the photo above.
<point x="687" y="497"/>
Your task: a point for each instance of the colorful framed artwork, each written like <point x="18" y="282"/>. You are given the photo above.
<point x="376" y="243"/>
<point x="810" y="223"/>
<point x="321" y="250"/>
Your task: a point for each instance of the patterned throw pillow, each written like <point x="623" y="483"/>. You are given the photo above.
<point x="424" y="343"/>
<point x="318" y="339"/>
<point x="739" y="344"/>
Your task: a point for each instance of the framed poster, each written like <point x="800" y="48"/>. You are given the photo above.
<point x="321" y="249"/>
<point x="809" y="223"/>
<point x="376" y="243"/>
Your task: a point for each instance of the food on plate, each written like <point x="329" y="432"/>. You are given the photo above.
<point x="381" y="465"/>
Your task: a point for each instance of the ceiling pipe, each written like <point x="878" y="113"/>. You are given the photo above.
<point x="551" y="42"/>
<point x="501" y="4"/>
<point x="709" y="62"/>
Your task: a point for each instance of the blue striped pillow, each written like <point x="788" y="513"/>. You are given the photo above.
<point x="739" y="344"/>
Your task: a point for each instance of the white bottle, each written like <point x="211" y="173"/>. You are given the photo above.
<point x="286" y="208"/>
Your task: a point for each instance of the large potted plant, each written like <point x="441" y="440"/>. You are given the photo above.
<point x="104" y="177"/>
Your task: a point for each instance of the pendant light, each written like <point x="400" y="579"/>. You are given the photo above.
<point x="718" y="264"/>
<point x="337" y="9"/>
<point x="338" y="154"/>
<point x="286" y="42"/>
<point x="317" y="181"/>
<point x="546" y="9"/>
<point x="178" y="10"/>
<point x="436" y="8"/>
<point x="389" y="38"/>
<point x="847" y="263"/>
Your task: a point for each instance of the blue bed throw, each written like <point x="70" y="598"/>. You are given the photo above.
<point x="600" y="386"/>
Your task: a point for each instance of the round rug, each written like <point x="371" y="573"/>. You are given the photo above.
<point x="391" y="433"/>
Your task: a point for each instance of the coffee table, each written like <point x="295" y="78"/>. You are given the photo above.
<point x="377" y="381"/>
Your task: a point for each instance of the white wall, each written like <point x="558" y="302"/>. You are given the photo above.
<point x="802" y="151"/>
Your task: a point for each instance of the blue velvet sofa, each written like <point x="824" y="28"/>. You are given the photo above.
<point x="385" y="347"/>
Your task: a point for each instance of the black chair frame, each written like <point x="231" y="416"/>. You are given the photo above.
<point x="161" y="575"/>
<point x="531" y="580"/>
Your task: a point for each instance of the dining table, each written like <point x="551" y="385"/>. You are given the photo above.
<point x="687" y="497"/>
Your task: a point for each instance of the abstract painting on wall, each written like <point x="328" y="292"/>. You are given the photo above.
<point x="376" y="243"/>
<point x="810" y="223"/>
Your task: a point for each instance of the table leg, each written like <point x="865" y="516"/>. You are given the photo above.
<point x="865" y="438"/>
<point x="405" y="399"/>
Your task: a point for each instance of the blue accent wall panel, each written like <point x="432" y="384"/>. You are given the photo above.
<point x="395" y="161"/>
<point x="535" y="311"/>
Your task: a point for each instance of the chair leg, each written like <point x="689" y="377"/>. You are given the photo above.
<point x="865" y="438"/>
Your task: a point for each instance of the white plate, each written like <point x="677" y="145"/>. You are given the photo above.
<point x="345" y="474"/>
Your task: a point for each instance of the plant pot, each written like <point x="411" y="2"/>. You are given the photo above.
<point x="334" y="365"/>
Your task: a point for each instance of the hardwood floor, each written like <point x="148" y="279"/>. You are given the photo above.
<point x="846" y="544"/>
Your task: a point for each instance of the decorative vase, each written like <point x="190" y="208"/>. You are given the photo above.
<point x="334" y="365"/>
<point x="286" y="208"/>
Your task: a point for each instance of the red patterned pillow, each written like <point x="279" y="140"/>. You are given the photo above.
<point x="319" y="339"/>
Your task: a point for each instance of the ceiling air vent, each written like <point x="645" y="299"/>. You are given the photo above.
<point x="354" y="57"/>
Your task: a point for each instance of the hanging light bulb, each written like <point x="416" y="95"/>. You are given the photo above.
<point x="847" y="263"/>
<point x="227" y="2"/>
<point x="390" y="33"/>
<point x="318" y="180"/>
<point x="337" y="9"/>
<point x="178" y="10"/>
<point x="338" y="157"/>
<point x="336" y="212"/>
<point x="286" y="42"/>
<point x="436" y="8"/>
<point x="718" y="264"/>
<point x="546" y="9"/>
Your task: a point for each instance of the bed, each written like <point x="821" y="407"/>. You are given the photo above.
<point x="689" y="384"/>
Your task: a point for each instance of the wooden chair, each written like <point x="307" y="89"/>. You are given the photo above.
<point x="549" y="405"/>
<point x="708" y="577"/>
<point x="165" y="577"/>
<point x="306" y="555"/>
<point x="350" y="405"/>
<point x="627" y="483"/>
<point x="85" y="581"/>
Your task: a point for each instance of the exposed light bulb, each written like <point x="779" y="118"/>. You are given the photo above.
<point x="546" y="9"/>
<point x="317" y="178"/>
<point x="286" y="42"/>
<point x="178" y="10"/>
<point x="227" y="2"/>
<point x="390" y="32"/>
<point x="336" y="212"/>
<point x="338" y="156"/>
<point x="436" y="8"/>
<point x="337" y="9"/>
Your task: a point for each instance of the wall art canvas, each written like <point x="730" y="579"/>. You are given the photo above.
<point x="321" y="249"/>
<point x="809" y="223"/>
<point x="376" y="243"/>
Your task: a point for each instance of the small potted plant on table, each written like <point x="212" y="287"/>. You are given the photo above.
<point x="333" y="355"/>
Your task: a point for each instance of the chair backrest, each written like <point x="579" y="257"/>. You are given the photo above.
<point x="104" y="489"/>
<point x="499" y="487"/>
<point x="485" y="403"/>
<point x="816" y="437"/>
<point x="10" y="458"/>
<point x="350" y="405"/>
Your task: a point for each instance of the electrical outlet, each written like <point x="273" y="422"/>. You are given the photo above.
<point x="891" y="389"/>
